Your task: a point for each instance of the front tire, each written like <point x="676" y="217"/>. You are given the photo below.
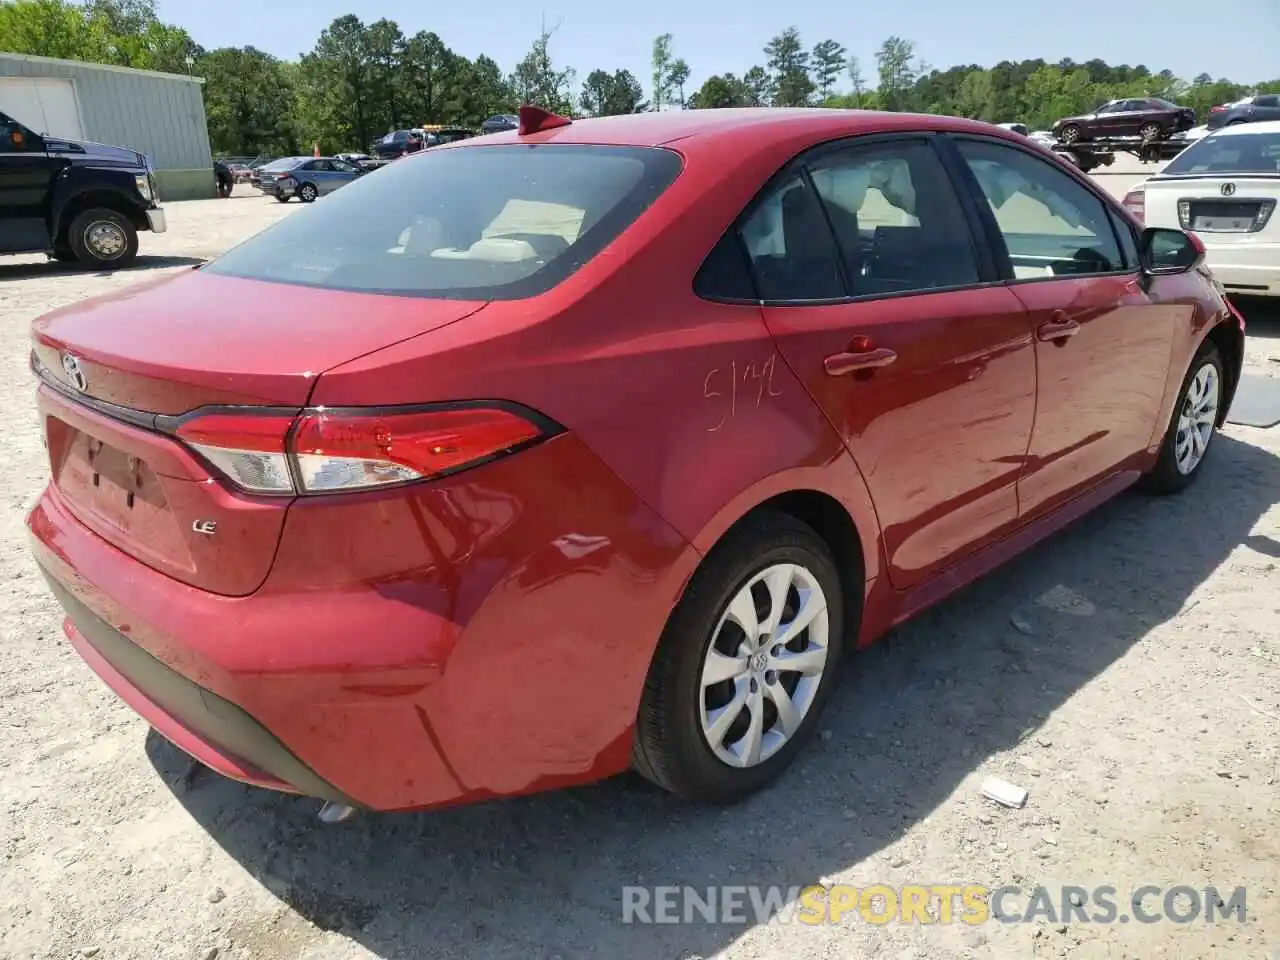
<point x="1192" y="426"/>
<point x="1069" y="134"/>
<point x="1151" y="132"/>
<point x="103" y="238"/>
<point x="745" y="664"/>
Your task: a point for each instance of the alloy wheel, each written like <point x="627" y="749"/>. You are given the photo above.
<point x="1197" y="418"/>
<point x="764" y="665"/>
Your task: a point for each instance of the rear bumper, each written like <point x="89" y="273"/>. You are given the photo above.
<point x="482" y="636"/>
<point x="1252" y="270"/>
<point x="215" y="731"/>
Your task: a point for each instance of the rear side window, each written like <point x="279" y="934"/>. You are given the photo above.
<point x="1051" y="225"/>
<point x="792" y="252"/>
<point x="1229" y="155"/>
<point x="472" y="223"/>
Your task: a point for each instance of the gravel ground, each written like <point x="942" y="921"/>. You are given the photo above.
<point x="1127" y="673"/>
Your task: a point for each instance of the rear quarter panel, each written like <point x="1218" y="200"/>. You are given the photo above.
<point x="686" y="400"/>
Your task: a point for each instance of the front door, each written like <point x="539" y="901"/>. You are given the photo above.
<point x="1102" y="344"/>
<point x="928" y="375"/>
<point x="26" y="172"/>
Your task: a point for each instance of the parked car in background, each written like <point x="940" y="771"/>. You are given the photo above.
<point x="398" y="143"/>
<point x="383" y="553"/>
<point x="499" y="122"/>
<point x="1225" y="189"/>
<point x="436" y="135"/>
<point x="77" y="201"/>
<point x="359" y="159"/>
<point x="1018" y="128"/>
<point x="1149" y="118"/>
<point x="308" y="178"/>
<point x="239" y="171"/>
<point x="265" y="177"/>
<point x="1262" y="106"/>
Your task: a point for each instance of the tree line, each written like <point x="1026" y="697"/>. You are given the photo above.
<point x="361" y="80"/>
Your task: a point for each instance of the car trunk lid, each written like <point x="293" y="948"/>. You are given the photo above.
<point x="197" y="339"/>
<point x="172" y="347"/>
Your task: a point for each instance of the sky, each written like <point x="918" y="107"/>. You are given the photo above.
<point x="1237" y="39"/>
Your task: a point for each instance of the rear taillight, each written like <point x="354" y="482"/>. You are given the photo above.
<point x="1135" y="201"/>
<point x="1218" y="109"/>
<point x="336" y="450"/>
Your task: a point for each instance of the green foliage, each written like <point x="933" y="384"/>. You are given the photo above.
<point x="611" y="94"/>
<point x="362" y="80"/>
<point x="789" y="65"/>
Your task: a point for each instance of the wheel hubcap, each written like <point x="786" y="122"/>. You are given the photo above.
<point x="1197" y="418"/>
<point x="105" y="239"/>
<point x="309" y="193"/>
<point x="764" y="665"/>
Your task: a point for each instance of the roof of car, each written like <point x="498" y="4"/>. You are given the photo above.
<point x="1236" y="129"/>
<point x="657" y="129"/>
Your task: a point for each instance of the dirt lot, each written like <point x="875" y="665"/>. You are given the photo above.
<point x="1127" y="672"/>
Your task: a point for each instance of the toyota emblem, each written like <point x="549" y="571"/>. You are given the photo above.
<point x="71" y="367"/>
<point x="1228" y="189"/>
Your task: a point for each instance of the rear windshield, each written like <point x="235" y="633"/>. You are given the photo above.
<point x="466" y="223"/>
<point x="1229" y="154"/>
<point x="288" y="163"/>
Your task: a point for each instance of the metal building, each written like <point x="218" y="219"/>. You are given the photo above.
<point x="158" y="114"/>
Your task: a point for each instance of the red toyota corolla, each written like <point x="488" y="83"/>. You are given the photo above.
<point x="596" y="444"/>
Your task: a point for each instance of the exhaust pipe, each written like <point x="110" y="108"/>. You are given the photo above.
<point x="336" y="812"/>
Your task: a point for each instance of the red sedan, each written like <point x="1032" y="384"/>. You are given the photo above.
<point x="596" y="445"/>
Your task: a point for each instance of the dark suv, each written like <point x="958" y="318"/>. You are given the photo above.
<point x="398" y="143"/>
<point x="76" y="201"/>
<point x="499" y="122"/>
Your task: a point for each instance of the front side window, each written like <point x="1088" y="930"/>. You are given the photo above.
<point x="475" y="223"/>
<point x="1229" y="154"/>
<point x="1051" y="225"/>
<point x="792" y="252"/>
<point x="14" y="137"/>
<point x="897" y="220"/>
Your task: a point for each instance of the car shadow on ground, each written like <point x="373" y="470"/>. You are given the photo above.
<point x="1261" y="316"/>
<point x="913" y="717"/>
<point x="29" y="271"/>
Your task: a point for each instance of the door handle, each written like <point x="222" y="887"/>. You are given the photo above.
<point x="1059" y="328"/>
<point x="839" y="364"/>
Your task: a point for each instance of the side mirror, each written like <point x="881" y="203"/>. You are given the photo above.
<point x="1166" y="252"/>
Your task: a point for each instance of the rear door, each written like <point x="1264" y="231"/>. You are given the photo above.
<point x="873" y="289"/>
<point x="1102" y="344"/>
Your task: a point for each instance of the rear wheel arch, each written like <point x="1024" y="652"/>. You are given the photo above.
<point x="1229" y="339"/>
<point x="832" y="521"/>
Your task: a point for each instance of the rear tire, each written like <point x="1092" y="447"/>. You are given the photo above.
<point x="1151" y="132"/>
<point x="1069" y="134"/>
<point x="717" y="721"/>
<point x="103" y="238"/>
<point x="283" y="198"/>
<point x="1189" y="436"/>
<point x="307" y="193"/>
